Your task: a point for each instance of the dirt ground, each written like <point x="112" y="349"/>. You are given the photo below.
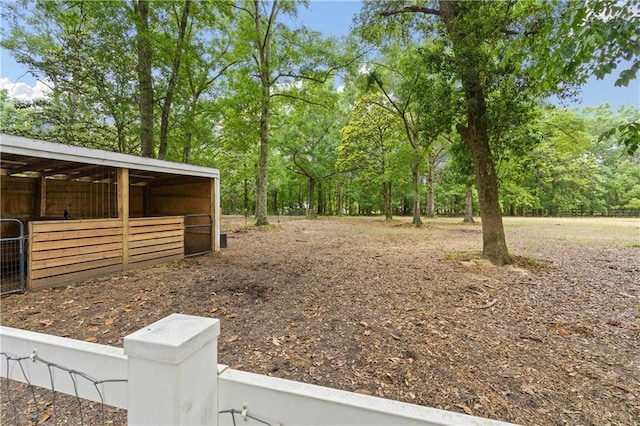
<point x="385" y="309"/>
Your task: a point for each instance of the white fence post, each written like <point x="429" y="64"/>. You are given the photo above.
<point x="172" y="372"/>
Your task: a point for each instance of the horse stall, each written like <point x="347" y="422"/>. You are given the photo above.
<point x="87" y="212"/>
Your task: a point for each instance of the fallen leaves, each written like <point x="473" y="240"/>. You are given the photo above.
<point x="233" y="338"/>
<point x="327" y="315"/>
<point x="528" y="389"/>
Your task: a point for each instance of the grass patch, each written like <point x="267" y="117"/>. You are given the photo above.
<point x="530" y="263"/>
<point x="269" y="227"/>
<point x="464" y="256"/>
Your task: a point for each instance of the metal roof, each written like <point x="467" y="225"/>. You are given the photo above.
<point x="24" y="156"/>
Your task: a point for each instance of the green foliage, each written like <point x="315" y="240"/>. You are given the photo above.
<point x="377" y="146"/>
<point x="628" y="135"/>
<point x="571" y="169"/>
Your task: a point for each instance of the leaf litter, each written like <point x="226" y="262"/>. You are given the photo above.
<point x="384" y="309"/>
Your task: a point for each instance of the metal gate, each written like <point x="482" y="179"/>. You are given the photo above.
<point x="197" y="234"/>
<point x="12" y="256"/>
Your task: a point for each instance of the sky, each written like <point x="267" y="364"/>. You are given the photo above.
<point x="334" y="18"/>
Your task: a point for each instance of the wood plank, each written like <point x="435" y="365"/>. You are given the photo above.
<point x="155" y="255"/>
<point x="124" y="207"/>
<point x="151" y="242"/>
<point x="153" y="228"/>
<point x="47" y="282"/>
<point x="74" y="251"/>
<point x="29" y="250"/>
<point x="78" y="259"/>
<point x="72" y="225"/>
<point x="215" y="215"/>
<point x="69" y="235"/>
<point x="150" y="236"/>
<point x="77" y="267"/>
<point x="157" y="261"/>
<point x="53" y="245"/>
<point x="156" y="248"/>
<point x="144" y="221"/>
<point x="27" y="192"/>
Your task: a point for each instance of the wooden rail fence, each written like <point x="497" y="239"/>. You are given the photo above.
<point x="61" y="251"/>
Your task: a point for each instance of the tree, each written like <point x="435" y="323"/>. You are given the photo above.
<point x="598" y="38"/>
<point x="370" y="147"/>
<point x="174" y="73"/>
<point x="419" y="99"/>
<point x="93" y="52"/>
<point x="82" y="51"/>
<point x="277" y="59"/>
<point x="307" y="140"/>
<point x="15" y="119"/>
<point x="145" y="75"/>
<point x="472" y="32"/>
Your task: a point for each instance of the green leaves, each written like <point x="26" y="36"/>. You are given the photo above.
<point x="628" y="135"/>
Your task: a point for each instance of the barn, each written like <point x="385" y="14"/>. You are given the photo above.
<point x="71" y="213"/>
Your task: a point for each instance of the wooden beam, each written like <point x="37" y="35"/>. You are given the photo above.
<point x="41" y="197"/>
<point x="214" y="203"/>
<point x="123" y="213"/>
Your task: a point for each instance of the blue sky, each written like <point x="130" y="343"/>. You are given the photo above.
<point x="334" y="17"/>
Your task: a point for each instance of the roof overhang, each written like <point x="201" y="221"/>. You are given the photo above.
<point x="35" y="156"/>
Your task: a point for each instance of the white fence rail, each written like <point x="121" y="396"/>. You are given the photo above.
<point x="172" y="377"/>
<point x="97" y="361"/>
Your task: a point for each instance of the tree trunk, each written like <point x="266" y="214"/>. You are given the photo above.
<point x="311" y="195"/>
<point x="186" y="147"/>
<point x="387" y="200"/>
<point x="340" y="199"/>
<point x="175" y="69"/>
<point x="468" y="204"/>
<point x="415" y="172"/>
<point x="321" y="202"/>
<point x="475" y="134"/>
<point x="263" y="169"/>
<point x="431" y="194"/>
<point x="275" y="203"/>
<point x="246" y="198"/>
<point x="145" y="78"/>
<point x="263" y="43"/>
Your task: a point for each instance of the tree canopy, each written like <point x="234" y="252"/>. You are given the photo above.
<point x="423" y="101"/>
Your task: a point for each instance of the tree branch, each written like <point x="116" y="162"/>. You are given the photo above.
<point x="411" y="9"/>
<point x="298" y="98"/>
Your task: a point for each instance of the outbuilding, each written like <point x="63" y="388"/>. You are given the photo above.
<point x="87" y="212"/>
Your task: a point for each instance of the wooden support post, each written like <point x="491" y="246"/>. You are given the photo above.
<point x="29" y="254"/>
<point x="214" y="203"/>
<point x="123" y="213"/>
<point x="41" y="197"/>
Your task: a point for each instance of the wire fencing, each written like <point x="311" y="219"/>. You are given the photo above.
<point x="28" y="404"/>
<point x="245" y="416"/>
<point x="12" y="256"/>
<point x="24" y="403"/>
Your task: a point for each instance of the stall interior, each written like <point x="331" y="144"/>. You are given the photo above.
<point x="81" y="220"/>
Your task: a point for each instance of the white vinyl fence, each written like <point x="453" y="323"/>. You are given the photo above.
<point x="167" y="374"/>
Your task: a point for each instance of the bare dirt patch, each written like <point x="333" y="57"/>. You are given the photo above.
<point x="409" y="314"/>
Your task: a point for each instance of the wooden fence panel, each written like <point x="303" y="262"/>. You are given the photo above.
<point x="155" y="240"/>
<point x="61" y="251"/>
